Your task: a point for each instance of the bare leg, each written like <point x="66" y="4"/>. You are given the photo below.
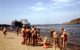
<point x="5" y="34"/>
<point x="23" y="42"/>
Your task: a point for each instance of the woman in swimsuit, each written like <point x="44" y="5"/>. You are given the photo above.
<point x="64" y="38"/>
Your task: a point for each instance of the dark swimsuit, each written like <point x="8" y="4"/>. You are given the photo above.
<point x="65" y="37"/>
<point x="35" y="36"/>
<point x="28" y="34"/>
<point x="24" y="33"/>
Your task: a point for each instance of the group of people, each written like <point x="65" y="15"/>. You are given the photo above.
<point x="31" y="35"/>
<point x="56" y="37"/>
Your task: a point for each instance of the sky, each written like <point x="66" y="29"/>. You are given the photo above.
<point x="39" y="11"/>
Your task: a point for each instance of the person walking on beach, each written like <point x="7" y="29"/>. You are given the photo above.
<point x="4" y="32"/>
<point x="64" y="38"/>
<point x="56" y="39"/>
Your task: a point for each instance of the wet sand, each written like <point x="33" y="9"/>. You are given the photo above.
<point x="13" y="42"/>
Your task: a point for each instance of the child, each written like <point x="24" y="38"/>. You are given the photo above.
<point x="46" y="42"/>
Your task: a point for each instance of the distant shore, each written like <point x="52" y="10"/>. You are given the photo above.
<point x="74" y="21"/>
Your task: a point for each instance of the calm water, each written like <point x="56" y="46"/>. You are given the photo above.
<point x="73" y="31"/>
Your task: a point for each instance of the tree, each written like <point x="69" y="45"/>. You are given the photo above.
<point x="16" y="24"/>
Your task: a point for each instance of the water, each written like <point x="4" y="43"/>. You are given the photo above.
<point x="73" y="31"/>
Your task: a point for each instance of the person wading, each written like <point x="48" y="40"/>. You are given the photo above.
<point x="64" y="38"/>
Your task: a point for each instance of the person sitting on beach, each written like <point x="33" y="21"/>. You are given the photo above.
<point x="46" y="42"/>
<point x="4" y="32"/>
<point x="39" y="38"/>
<point x="64" y="38"/>
<point x="56" y="39"/>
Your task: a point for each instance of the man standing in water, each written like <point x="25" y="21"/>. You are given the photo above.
<point x="4" y="32"/>
<point x="64" y="38"/>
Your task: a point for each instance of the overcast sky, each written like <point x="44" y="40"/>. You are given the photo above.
<point x="39" y="11"/>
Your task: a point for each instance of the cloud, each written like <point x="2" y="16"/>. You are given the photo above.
<point x="39" y="3"/>
<point x="38" y="7"/>
<point x="64" y="3"/>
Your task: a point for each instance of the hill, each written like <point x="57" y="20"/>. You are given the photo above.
<point x="75" y="21"/>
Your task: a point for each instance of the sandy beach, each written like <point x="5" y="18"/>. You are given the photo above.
<point x="13" y="42"/>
